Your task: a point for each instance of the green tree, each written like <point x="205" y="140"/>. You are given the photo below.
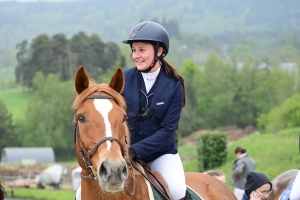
<point x="112" y="54"/>
<point x="190" y="113"/>
<point x="284" y="116"/>
<point x="48" y="115"/>
<point x="61" y="57"/>
<point x="7" y="130"/>
<point x="23" y="72"/>
<point x="215" y="93"/>
<point x="41" y="55"/>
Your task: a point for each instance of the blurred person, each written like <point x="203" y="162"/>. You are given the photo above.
<point x="242" y="166"/>
<point x="218" y="175"/>
<point x="257" y="187"/>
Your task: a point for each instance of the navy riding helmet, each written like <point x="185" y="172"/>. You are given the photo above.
<point x="150" y="32"/>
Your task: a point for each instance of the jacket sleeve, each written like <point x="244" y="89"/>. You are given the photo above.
<point x="238" y="170"/>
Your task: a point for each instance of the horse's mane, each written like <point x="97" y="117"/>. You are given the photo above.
<point x="99" y="88"/>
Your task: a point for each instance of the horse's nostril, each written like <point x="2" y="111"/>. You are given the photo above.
<point x="103" y="173"/>
<point x="124" y="173"/>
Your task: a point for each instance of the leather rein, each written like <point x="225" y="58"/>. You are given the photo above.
<point x="83" y="151"/>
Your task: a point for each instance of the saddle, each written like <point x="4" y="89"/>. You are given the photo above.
<point x="154" y="177"/>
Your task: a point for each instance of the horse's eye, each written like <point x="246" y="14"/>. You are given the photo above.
<point x="81" y="118"/>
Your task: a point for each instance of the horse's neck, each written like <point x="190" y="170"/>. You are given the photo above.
<point x="90" y="189"/>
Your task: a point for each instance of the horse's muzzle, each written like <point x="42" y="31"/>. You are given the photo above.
<point x="112" y="175"/>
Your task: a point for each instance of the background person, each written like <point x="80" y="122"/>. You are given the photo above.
<point x="257" y="187"/>
<point x="155" y="94"/>
<point x="242" y="166"/>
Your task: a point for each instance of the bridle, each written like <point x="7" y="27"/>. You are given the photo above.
<point x="83" y="151"/>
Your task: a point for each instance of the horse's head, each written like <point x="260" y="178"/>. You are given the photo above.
<point x="101" y="132"/>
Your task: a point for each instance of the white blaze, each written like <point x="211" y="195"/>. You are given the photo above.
<point x="104" y="106"/>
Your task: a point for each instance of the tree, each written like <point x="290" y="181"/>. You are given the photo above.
<point x="61" y="57"/>
<point x="7" y="134"/>
<point x="23" y="71"/>
<point x="48" y="115"/>
<point x="190" y="113"/>
<point x="215" y="93"/>
<point x="284" y="116"/>
<point x="111" y="55"/>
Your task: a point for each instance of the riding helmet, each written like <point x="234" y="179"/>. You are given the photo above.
<point x="151" y="32"/>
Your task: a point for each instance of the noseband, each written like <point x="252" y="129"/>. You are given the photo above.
<point x="87" y="162"/>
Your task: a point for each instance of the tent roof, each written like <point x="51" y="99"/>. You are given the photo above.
<point x="17" y="154"/>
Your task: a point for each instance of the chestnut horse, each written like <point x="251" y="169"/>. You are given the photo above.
<point x="282" y="182"/>
<point x="102" y="141"/>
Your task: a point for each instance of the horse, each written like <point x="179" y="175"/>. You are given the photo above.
<point x="282" y="182"/>
<point x="102" y="140"/>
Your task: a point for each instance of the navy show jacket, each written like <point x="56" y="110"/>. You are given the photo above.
<point x="154" y="136"/>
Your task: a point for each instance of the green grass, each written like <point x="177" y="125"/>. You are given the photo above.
<point x="273" y="153"/>
<point x="41" y="194"/>
<point x="15" y="100"/>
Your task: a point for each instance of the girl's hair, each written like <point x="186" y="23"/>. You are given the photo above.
<point x="240" y="150"/>
<point x="172" y="73"/>
<point x="214" y="173"/>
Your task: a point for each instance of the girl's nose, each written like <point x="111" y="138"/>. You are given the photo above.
<point x="135" y="55"/>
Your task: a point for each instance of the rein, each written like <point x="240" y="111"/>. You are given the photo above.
<point x="82" y="150"/>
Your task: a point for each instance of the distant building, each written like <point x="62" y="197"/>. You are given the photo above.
<point x="27" y="155"/>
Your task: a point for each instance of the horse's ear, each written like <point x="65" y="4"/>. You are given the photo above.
<point x="81" y="80"/>
<point x="117" y="81"/>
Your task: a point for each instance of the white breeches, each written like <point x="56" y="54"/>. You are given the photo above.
<point x="170" y="167"/>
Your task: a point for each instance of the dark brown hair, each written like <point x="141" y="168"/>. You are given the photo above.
<point x="215" y="173"/>
<point x="172" y="73"/>
<point x="240" y="150"/>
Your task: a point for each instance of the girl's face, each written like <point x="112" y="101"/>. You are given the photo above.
<point x="263" y="191"/>
<point x="143" y="55"/>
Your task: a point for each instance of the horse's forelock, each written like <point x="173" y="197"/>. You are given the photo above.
<point x="99" y="88"/>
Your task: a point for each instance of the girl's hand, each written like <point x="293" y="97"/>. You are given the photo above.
<point x="254" y="196"/>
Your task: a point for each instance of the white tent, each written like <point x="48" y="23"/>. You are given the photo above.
<point x="29" y="155"/>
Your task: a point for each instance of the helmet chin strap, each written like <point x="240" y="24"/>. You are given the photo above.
<point x="156" y="58"/>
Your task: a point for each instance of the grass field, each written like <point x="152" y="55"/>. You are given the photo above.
<point x="273" y="153"/>
<point x="15" y="100"/>
<point x="39" y="194"/>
